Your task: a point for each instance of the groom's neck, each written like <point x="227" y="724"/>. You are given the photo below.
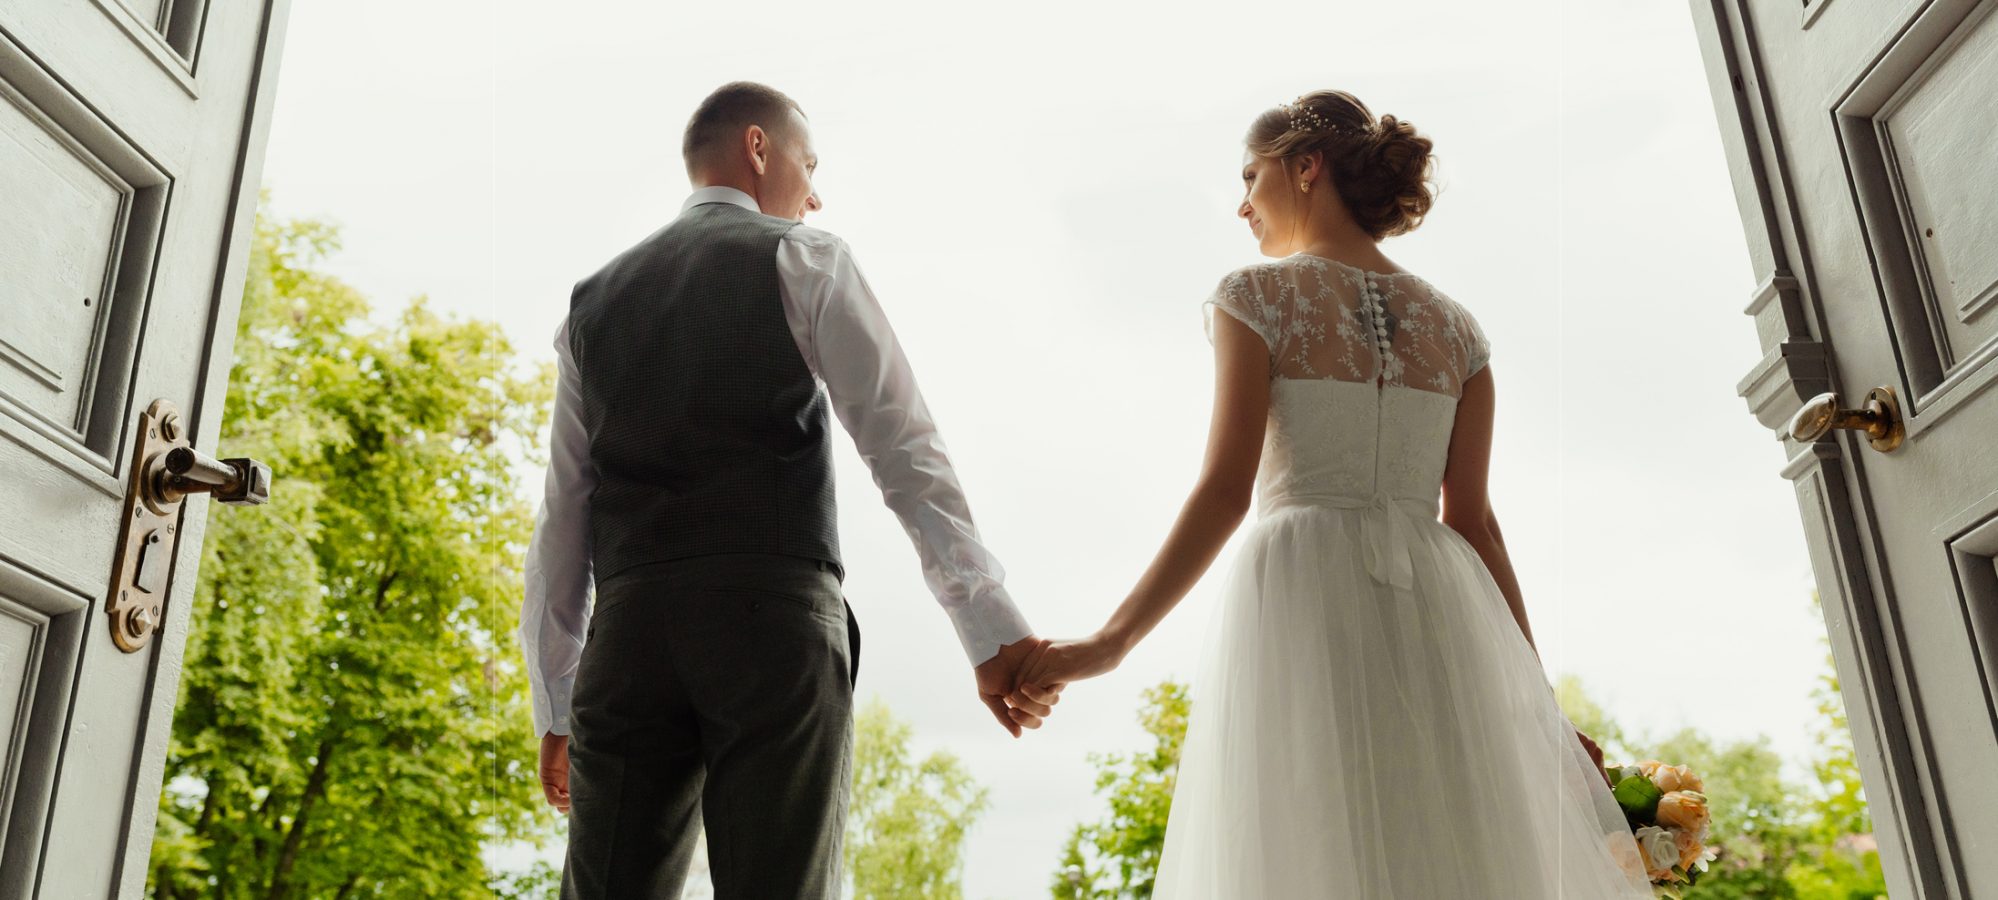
<point x="740" y="181"/>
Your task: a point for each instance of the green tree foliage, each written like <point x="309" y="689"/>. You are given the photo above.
<point x="907" y="819"/>
<point x="1118" y="857"/>
<point x="351" y="721"/>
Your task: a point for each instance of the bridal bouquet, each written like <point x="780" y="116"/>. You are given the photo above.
<point x="1668" y="815"/>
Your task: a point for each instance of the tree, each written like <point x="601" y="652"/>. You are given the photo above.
<point x="1118" y="857"/>
<point x="907" y="819"/>
<point x="351" y="718"/>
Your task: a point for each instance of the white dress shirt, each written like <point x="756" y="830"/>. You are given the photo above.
<point x="845" y="339"/>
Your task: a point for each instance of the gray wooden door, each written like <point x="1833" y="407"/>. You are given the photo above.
<point x="1863" y="141"/>
<point x="131" y="138"/>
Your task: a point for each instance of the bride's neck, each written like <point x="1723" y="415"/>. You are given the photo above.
<point x="1337" y="236"/>
<point x="1363" y="252"/>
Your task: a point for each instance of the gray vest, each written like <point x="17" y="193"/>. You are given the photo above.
<point x="707" y="430"/>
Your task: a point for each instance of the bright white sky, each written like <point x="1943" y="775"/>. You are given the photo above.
<point x="1041" y="197"/>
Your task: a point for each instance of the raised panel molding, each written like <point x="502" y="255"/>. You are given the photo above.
<point x="66" y="217"/>
<point x="168" y="31"/>
<point x="1938" y="138"/>
<point x="91" y="207"/>
<point x="1915" y="135"/>
<point x="34" y="696"/>
<point x="1973" y="551"/>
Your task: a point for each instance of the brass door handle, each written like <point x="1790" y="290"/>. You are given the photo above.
<point x="165" y="471"/>
<point x="1880" y="418"/>
<point x="176" y="473"/>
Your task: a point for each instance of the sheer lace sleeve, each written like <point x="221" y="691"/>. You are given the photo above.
<point x="1477" y="350"/>
<point x="1242" y="298"/>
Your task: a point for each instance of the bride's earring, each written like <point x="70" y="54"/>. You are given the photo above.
<point x="1304" y="186"/>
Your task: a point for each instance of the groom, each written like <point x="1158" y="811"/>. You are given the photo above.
<point x="691" y="478"/>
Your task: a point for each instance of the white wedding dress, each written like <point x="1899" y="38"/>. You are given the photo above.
<point x="1368" y="721"/>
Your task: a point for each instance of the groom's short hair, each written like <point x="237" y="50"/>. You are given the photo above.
<point x="730" y="109"/>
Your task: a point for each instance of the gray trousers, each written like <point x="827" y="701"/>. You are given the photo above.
<point x="716" y="689"/>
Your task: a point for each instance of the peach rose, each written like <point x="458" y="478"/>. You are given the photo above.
<point x="1649" y="766"/>
<point x="1684" y="810"/>
<point x="1689" y="847"/>
<point x="1676" y="778"/>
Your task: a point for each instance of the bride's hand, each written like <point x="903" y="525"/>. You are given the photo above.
<point x="1595" y="754"/>
<point x="1066" y="661"/>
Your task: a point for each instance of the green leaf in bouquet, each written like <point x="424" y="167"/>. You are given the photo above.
<point x="1638" y="796"/>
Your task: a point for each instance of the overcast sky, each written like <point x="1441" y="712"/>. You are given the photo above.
<point x="1042" y="194"/>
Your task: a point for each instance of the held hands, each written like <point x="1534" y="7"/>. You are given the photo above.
<point x="1000" y="688"/>
<point x="1064" y="661"/>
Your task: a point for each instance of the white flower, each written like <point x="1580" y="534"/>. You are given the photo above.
<point x="1659" y="846"/>
<point x="1623" y="772"/>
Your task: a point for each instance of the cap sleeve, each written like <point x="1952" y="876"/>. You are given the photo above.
<point x="1242" y="299"/>
<point x="1477" y="350"/>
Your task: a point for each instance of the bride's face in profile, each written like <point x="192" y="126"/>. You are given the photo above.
<point x="1272" y="204"/>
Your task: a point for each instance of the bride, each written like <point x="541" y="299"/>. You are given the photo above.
<point x="1371" y="719"/>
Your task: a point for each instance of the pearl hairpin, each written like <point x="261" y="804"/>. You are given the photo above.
<point x="1304" y="118"/>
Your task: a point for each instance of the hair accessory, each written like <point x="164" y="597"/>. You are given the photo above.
<point x="1304" y="118"/>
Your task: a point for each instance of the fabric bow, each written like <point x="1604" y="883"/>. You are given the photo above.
<point x="1387" y="530"/>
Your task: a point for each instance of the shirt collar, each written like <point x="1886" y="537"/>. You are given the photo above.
<point x="720" y="193"/>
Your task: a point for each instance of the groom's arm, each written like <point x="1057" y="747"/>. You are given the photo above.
<point x="846" y="339"/>
<point x="556" y="613"/>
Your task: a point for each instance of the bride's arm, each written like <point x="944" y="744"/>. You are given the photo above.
<point x="1467" y="507"/>
<point x="1219" y="501"/>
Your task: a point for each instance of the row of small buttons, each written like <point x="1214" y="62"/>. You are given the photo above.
<point x="1377" y="313"/>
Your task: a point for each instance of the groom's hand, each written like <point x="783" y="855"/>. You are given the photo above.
<point x="999" y="677"/>
<point x="555" y="770"/>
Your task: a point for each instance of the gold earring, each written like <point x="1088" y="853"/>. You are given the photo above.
<point x="1304" y="186"/>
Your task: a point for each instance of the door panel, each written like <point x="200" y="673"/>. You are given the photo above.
<point x="1941" y="135"/>
<point x="1860" y="140"/>
<point x="130" y="145"/>
<point x="83" y="229"/>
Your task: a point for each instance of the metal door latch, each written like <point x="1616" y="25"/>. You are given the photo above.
<point x="165" y="470"/>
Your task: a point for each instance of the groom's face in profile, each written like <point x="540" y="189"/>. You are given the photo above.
<point x="788" y="162"/>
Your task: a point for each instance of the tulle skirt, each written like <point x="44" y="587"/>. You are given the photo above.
<point x="1349" y="740"/>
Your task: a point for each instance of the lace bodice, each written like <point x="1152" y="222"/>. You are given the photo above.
<point x="1365" y="367"/>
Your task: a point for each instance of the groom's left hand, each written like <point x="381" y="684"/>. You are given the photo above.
<point x="999" y="679"/>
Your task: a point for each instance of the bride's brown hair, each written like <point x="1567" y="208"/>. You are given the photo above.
<point x="1381" y="168"/>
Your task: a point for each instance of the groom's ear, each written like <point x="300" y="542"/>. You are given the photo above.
<point x="756" y="142"/>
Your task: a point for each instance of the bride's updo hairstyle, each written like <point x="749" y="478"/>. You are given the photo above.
<point x="1381" y="168"/>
